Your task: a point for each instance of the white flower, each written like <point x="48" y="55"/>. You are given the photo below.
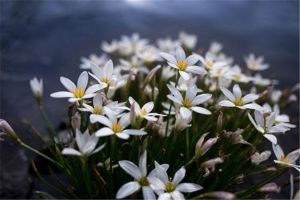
<point x="145" y="111"/>
<point x="258" y="158"/>
<point x="167" y="45"/>
<point x="236" y="99"/>
<point x="187" y="40"/>
<point x="135" y="65"/>
<point x="182" y="123"/>
<point x="215" y="47"/>
<point x="167" y="72"/>
<point x="209" y="61"/>
<point x="256" y="64"/>
<point x="265" y="125"/>
<point x="286" y="160"/>
<point x="260" y="81"/>
<point x="149" y="54"/>
<point x="86" y="144"/>
<point x="110" y="48"/>
<point x="141" y="180"/>
<point x="167" y="189"/>
<point x="190" y="102"/>
<point x="79" y="92"/>
<point x="94" y="59"/>
<point x="37" y="87"/>
<point x="115" y="126"/>
<point x="129" y="45"/>
<point x="235" y="73"/>
<point x="104" y="75"/>
<point x="183" y="64"/>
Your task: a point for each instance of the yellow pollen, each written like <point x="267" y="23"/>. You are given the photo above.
<point x="239" y="102"/>
<point x="78" y="92"/>
<point x="182" y="65"/>
<point x="284" y="159"/>
<point x="170" y="187"/>
<point x="209" y="64"/>
<point x="144" y="112"/>
<point x="144" y="181"/>
<point x="116" y="127"/>
<point x="105" y="79"/>
<point x="135" y="65"/>
<point x="254" y="65"/>
<point x="187" y="103"/>
<point x="237" y="77"/>
<point x="98" y="110"/>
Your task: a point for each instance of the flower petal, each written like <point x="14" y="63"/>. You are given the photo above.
<point x="271" y="138"/>
<point x="250" y="97"/>
<point x="170" y="58"/>
<point x="184" y="75"/>
<point x="148" y="193"/>
<point x="83" y="80"/>
<point x="237" y="91"/>
<point x="131" y="169"/>
<point x="70" y="151"/>
<point x="134" y="132"/>
<point x="165" y="196"/>
<point x="128" y="189"/>
<point x="226" y="103"/>
<point x="188" y="187"/>
<point x="101" y="119"/>
<point x="62" y="94"/>
<point x="179" y="175"/>
<point x="177" y="195"/>
<point x="192" y="59"/>
<point x="104" y="132"/>
<point x="180" y="54"/>
<point x="201" y="98"/>
<point x="185" y="112"/>
<point x="201" y="110"/>
<point x="196" y="70"/>
<point x="293" y="156"/>
<point x="277" y="151"/>
<point x="69" y="85"/>
<point x="143" y="163"/>
<point x="227" y="93"/>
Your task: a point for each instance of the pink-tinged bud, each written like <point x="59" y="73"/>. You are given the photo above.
<point x="202" y="147"/>
<point x="132" y="114"/>
<point x="270" y="187"/>
<point x="218" y="195"/>
<point x="7" y="129"/>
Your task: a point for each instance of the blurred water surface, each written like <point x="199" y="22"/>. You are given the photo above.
<point x="47" y="39"/>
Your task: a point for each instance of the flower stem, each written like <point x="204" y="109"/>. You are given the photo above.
<point x="49" y="124"/>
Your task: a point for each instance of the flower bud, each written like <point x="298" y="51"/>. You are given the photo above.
<point x="7" y="129"/>
<point x="202" y="147"/>
<point x="219" y="195"/>
<point x="37" y="88"/>
<point x="270" y="187"/>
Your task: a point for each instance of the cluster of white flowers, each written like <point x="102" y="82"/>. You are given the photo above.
<point x="198" y="84"/>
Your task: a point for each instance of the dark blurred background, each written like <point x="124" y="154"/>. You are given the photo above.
<point x="47" y="38"/>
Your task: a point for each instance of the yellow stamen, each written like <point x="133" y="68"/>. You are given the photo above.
<point x="78" y="92"/>
<point x="237" y="77"/>
<point x="144" y="112"/>
<point x="116" y="127"/>
<point x="182" y="65"/>
<point x="209" y="64"/>
<point x="105" y="79"/>
<point x="239" y="102"/>
<point x="187" y="103"/>
<point x="254" y="65"/>
<point x="98" y="110"/>
<point x="170" y="187"/>
<point x="144" y="181"/>
<point x="284" y="159"/>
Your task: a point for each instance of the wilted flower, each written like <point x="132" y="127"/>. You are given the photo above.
<point x="236" y="99"/>
<point x="288" y="160"/>
<point x="115" y="126"/>
<point x="258" y="158"/>
<point x="86" y="144"/>
<point x="256" y="64"/>
<point x="202" y="147"/>
<point x="210" y="165"/>
<point x="190" y="102"/>
<point x="79" y="92"/>
<point x="183" y="64"/>
<point x="37" y="88"/>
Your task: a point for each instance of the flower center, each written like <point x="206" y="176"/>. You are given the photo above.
<point x="187" y="103"/>
<point x="209" y="64"/>
<point x="116" y="127"/>
<point x="284" y="159"/>
<point x="78" y="92"/>
<point x="237" y="77"/>
<point x="254" y="65"/>
<point x="135" y="65"/>
<point x="105" y="79"/>
<point x="98" y="110"/>
<point x="144" y="181"/>
<point x="182" y="65"/>
<point x="170" y="187"/>
<point x="144" y="112"/>
<point x="239" y="102"/>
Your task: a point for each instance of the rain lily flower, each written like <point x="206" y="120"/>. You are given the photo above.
<point x="145" y="111"/>
<point x="86" y="63"/>
<point x="141" y="180"/>
<point x="215" y="47"/>
<point x="260" y="81"/>
<point x="86" y="144"/>
<point x="110" y="48"/>
<point x="115" y="126"/>
<point x="167" y="45"/>
<point x="37" y="87"/>
<point x="190" y="102"/>
<point x="236" y="99"/>
<point x="183" y="64"/>
<point x="209" y="61"/>
<point x="77" y="92"/>
<point x="187" y="40"/>
<point x="256" y="63"/>
<point x="167" y="189"/>
<point x="236" y="74"/>
<point x="258" y="158"/>
<point x="288" y="160"/>
<point x="105" y="75"/>
<point x="167" y="72"/>
<point x="182" y="123"/>
<point x="265" y="125"/>
<point x="6" y="129"/>
<point x="135" y="65"/>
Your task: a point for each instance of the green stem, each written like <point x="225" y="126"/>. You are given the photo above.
<point x="49" y="124"/>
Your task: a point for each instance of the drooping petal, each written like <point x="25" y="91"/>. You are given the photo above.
<point x="271" y="138"/>
<point x="69" y="85"/>
<point x="104" y="132"/>
<point x="179" y="175"/>
<point x="148" y="193"/>
<point x="188" y="187"/>
<point x="128" y="189"/>
<point x="131" y="169"/>
<point x="62" y="94"/>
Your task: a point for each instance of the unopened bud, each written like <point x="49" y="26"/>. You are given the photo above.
<point x="270" y="187"/>
<point x="7" y="129"/>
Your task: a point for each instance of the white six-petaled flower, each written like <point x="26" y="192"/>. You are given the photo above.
<point x="115" y="126"/>
<point x="190" y="102"/>
<point x="183" y="64"/>
<point x="77" y="92"/>
<point x="288" y="160"/>
<point x="86" y="144"/>
<point x="37" y="87"/>
<point x="236" y="99"/>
